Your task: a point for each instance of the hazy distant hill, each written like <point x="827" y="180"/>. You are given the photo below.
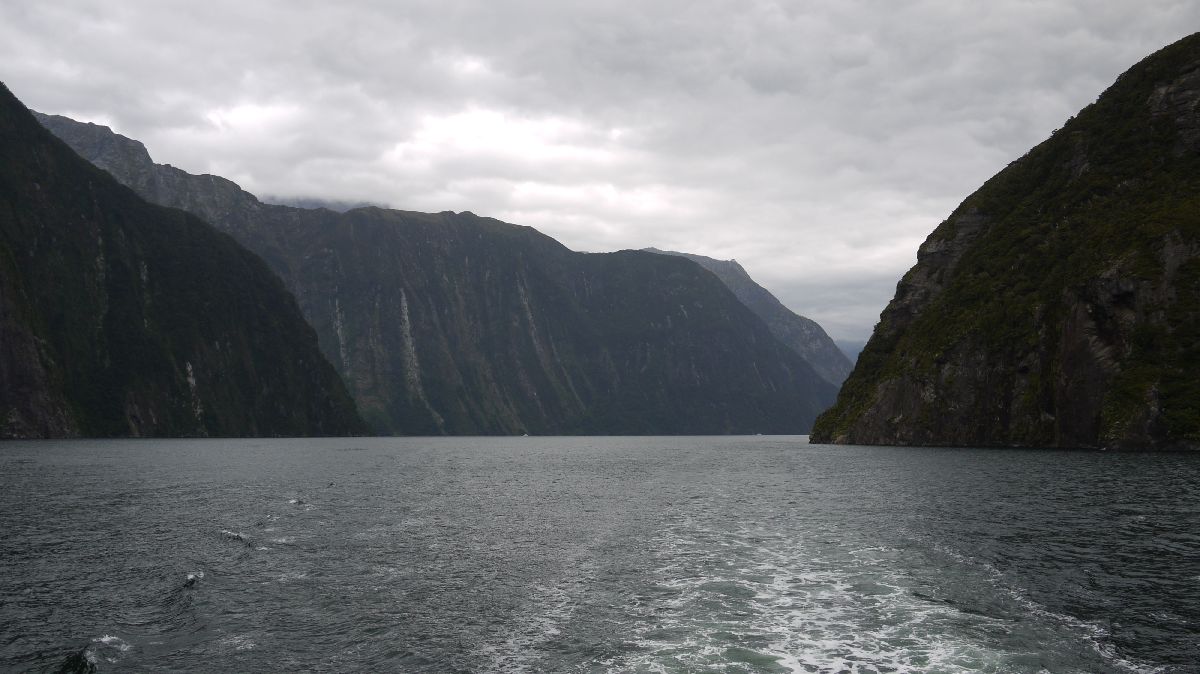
<point x="1059" y="305"/>
<point x="803" y="335"/>
<point x="121" y="318"/>
<point x="850" y="348"/>
<point x="450" y="323"/>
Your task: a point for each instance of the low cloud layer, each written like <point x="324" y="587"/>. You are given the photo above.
<point x="816" y="142"/>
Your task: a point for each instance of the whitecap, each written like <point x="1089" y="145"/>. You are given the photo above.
<point x="106" y="647"/>
<point x="115" y="642"/>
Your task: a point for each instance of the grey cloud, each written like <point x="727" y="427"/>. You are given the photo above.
<point x="816" y="142"/>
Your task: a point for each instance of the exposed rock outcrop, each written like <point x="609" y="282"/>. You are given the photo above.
<point x="1059" y="305"/>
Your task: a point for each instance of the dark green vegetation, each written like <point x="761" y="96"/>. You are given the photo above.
<point x="121" y="318"/>
<point x="1059" y="305"/>
<point x="802" y="335"/>
<point x="450" y="323"/>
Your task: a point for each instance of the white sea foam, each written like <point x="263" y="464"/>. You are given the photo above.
<point x="115" y="642"/>
<point x="759" y="599"/>
<point x="195" y="576"/>
<point x="106" y="647"/>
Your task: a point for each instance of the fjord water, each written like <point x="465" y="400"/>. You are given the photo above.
<point x="594" y="555"/>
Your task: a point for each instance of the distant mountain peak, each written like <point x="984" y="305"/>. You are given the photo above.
<point x="802" y="335"/>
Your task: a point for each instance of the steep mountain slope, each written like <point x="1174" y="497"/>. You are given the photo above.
<point x="1059" y="305"/>
<point x="802" y="335"/>
<point x="118" y="317"/>
<point x="450" y="323"/>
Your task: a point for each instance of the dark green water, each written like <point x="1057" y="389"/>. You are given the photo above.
<point x="594" y="555"/>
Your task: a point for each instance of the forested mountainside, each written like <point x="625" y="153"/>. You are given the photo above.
<point x="450" y="323"/>
<point x="1059" y="305"/>
<point x="123" y="318"/>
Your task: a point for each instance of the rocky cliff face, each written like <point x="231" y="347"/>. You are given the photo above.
<point x="450" y="323"/>
<point x="1059" y="305"/>
<point x="121" y="318"/>
<point x="802" y="335"/>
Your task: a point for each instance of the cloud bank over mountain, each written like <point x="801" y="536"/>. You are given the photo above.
<point x="818" y="143"/>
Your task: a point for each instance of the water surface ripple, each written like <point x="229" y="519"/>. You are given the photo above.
<point x="760" y="554"/>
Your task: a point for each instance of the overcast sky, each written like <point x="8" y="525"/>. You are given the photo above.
<point x="817" y="142"/>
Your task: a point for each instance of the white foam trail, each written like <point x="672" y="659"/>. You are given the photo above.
<point x="550" y="606"/>
<point x="755" y="598"/>
<point x="1096" y="634"/>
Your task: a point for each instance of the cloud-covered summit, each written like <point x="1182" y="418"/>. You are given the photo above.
<point x="816" y="142"/>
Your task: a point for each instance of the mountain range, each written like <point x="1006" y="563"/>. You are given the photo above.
<point x="450" y="323"/>
<point x="1058" y="305"/>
